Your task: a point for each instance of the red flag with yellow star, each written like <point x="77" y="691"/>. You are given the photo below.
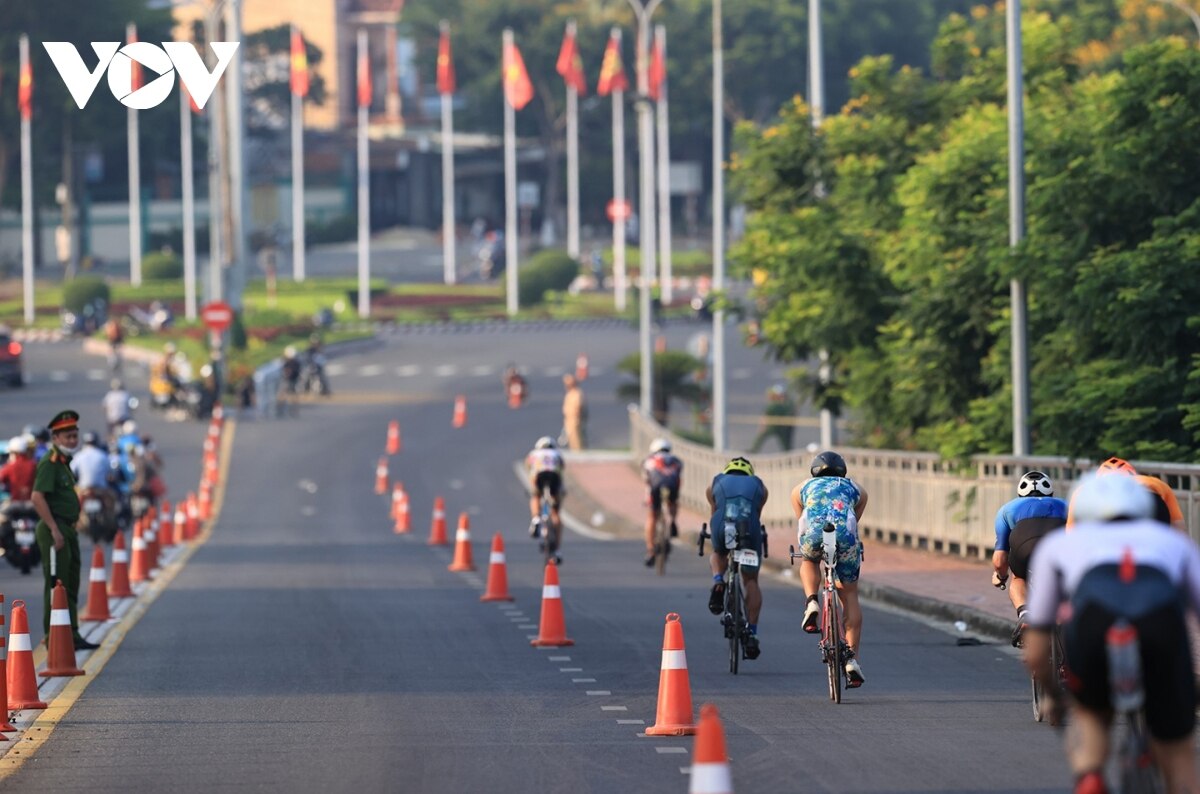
<point x="612" y="71"/>
<point x="518" y="89"/>
<point x="25" y="91"/>
<point x="446" y="82"/>
<point x="570" y="65"/>
<point x="299" y="64"/>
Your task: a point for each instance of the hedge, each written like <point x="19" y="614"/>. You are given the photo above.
<point x="547" y="270"/>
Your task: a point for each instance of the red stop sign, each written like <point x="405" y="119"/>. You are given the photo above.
<point x="619" y="210"/>
<point x="217" y="316"/>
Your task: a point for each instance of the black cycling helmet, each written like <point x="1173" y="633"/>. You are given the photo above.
<point x="828" y="464"/>
<point x="43" y="435"/>
<point x="91" y="439"/>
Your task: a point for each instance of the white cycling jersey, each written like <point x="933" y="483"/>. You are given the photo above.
<point x="1062" y="559"/>
<point x="540" y="460"/>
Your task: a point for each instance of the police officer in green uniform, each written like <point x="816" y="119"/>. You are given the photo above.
<point x="57" y="505"/>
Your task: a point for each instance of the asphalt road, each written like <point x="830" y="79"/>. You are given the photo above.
<point x="307" y="648"/>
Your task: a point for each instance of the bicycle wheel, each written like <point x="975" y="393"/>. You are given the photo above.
<point x="833" y="645"/>
<point x="662" y="544"/>
<point x="734" y="608"/>
<point x="549" y="531"/>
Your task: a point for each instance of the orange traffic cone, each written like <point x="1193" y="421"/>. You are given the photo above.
<point x="437" y="532"/>
<point x="460" y="411"/>
<point x="674" y="693"/>
<point x="581" y="367"/>
<point x="180" y="524"/>
<point x="193" y="516"/>
<point x="497" y="583"/>
<point x="462" y="545"/>
<point x="22" y="684"/>
<point x="166" y="528"/>
<point x="204" y="505"/>
<point x="710" y="762"/>
<point x="97" y="603"/>
<point x="119" y="587"/>
<point x="393" y="437"/>
<point x="60" y="658"/>
<point x="150" y="533"/>
<point x="381" y="476"/>
<point x="400" y="510"/>
<point x="139" y="568"/>
<point x="552" y="629"/>
<point x="5" y="725"/>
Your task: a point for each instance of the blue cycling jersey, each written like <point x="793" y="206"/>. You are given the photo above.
<point x="1026" y="507"/>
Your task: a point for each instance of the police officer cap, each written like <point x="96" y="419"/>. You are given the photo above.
<point x="64" y="420"/>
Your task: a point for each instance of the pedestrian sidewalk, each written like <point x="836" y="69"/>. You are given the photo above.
<point x="607" y="494"/>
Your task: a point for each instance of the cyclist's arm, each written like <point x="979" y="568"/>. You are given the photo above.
<point x="712" y="502"/>
<point x="1192" y="575"/>
<point x="861" y="506"/>
<point x="1003" y="529"/>
<point x="797" y="502"/>
<point x="1071" y="512"/>
<point x="766" y="495"/>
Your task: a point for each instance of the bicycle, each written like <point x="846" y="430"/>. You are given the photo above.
<point x="1057" y="662"/>
<point x="835" y="651"/>
<point x="662" y="533"/>
<point x="547" y="530"/>
<point x="733" y="619"/>
<point x="1136" y="771"/>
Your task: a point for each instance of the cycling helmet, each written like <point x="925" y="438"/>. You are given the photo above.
<point x="42" y="435"/>
<point x="545" y="442"/>
<point x="1100" y="498"/>
<point x="129" y="428"/>
<point x="660" y="445"/>
<point x="1116" y="466"/>
<point x="91" y="439"/>
<point x="1035" y="483"/>
<point x="739" y="465"/>
<point x="17" y="445"/>
<point x="828" y="464"/>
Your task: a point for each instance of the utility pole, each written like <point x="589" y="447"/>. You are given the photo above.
<point x="718" y="165"/>
<point x="1016" y="228"/>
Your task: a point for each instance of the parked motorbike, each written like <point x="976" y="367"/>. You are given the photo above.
<point x="17" y="536"/>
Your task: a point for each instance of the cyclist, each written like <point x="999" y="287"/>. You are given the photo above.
<point x="545" y="465"/>
<point x="736" y="497"/>
<point x="1119" y="563"/>
<point x="1020" y="524"/>
<point x="832" y="498"/>
<point x="1166" y="506"/>
<point x="661" y="470"/>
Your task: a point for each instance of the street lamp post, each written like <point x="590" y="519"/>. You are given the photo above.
<point x="644" y="9"/>
<point x="718" y="231"/>
<point x="1016" y="229"/>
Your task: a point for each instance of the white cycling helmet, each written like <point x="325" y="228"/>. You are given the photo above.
<point x="660" y="445"/>
<point x="545" y="442"/>
<point x="1098" y="498"/>
<point x="1035" y="483"/>
<point x="18" y="445"/>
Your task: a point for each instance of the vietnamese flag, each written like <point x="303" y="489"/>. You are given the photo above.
<point x="518" y="89"/>
<point x="446" y="83"/>
<point x="658" y="71"/>
<point x="135" y="80"/>
<point x="570" y="65"/>
<point x="612" y="72"/>
<point x="364" y="80"/>
<point x="25" y="91"/>
<point x="299" y="64"/>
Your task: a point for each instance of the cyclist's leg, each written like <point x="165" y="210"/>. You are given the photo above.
<point x="1170" y="688"/>
<point x="655" y="507"/>
<point x="1087" y="739"/>
<point x="852" y="612"/>
<point x="753" y="594"/>
<point x="719" y="563"/>
<point x="556" y="497"/>
<point x="535" y="503"/>
<point x="673" y="508"/>
<point x="808" y="543"/>
<point x="1084" y="640"/>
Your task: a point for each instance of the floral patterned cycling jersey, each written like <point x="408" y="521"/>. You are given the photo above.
<point x="831" y="500"/>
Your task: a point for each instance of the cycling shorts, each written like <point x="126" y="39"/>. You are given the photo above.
<point x="1024" y="540"/>
<point x="1167" y="676"/>
<point x="656" y="495"/>
<point x="551" y="480"/>
<point x="811" y="544"/>
<point x="752" y="538"/>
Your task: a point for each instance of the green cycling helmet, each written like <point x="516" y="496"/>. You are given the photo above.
<point x="739" y="465"/>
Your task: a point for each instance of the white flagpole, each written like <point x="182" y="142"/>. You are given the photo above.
<point x="510" y="189"/>
<point x="364" y="197"/>
<point x="449" y="224"/>
<point x="664" y="177"/>
<point x="135" y="191"/>
<point x="189" y="205"/>
<point x="26" y="198"/>
<point x="618" y="111"/>
<point x="718" y="230"/>
<point x="297" y="184"/>
<point x="572" y="164"/>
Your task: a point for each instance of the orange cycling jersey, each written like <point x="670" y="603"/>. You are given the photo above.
<point x="1166" y="506"/>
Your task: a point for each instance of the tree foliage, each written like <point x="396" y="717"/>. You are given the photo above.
<point x="884" y="238"/>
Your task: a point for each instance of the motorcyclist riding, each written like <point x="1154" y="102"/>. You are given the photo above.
<point x="93" y="481"/>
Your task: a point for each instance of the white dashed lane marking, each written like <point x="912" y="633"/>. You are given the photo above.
<point x="371" y="371"/>
<point x="613" y="708"/>
<point x="60" y="376"/>
<point x="667" y="750"/>
<point x="482" y="370"/>
<point x="631" y="722"/>
<point x="408" y="370"/>
<point x="445" y="370"/>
